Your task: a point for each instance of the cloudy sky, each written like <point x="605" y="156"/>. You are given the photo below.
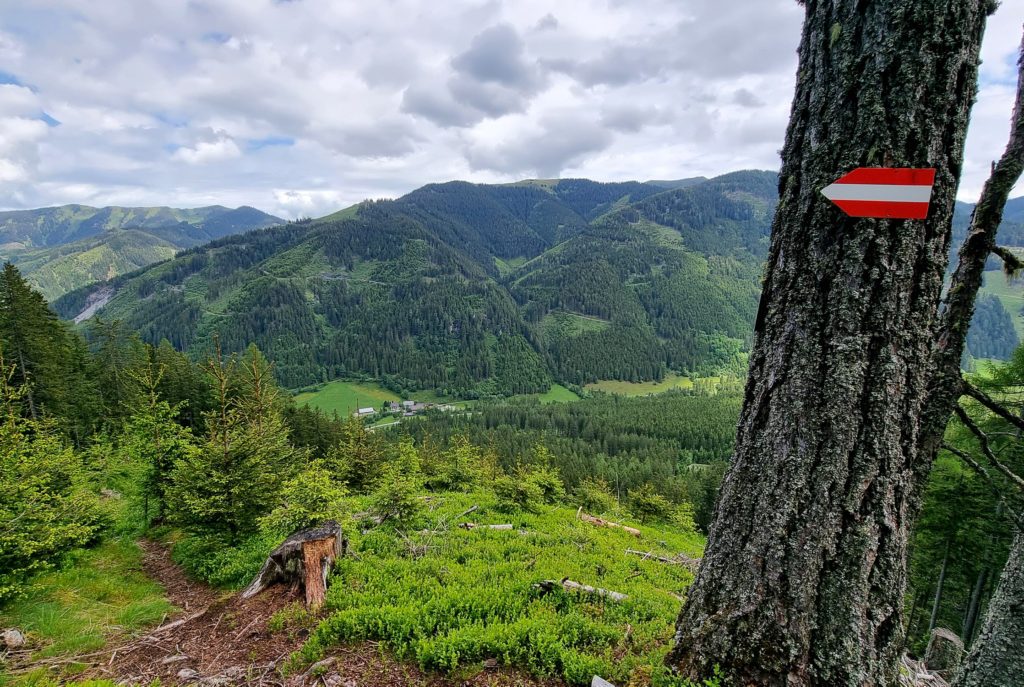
<point x="303" y="107"/>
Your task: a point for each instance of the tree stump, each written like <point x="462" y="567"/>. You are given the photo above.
<point x="944" y="653"/>
<point x="303" y="558"/>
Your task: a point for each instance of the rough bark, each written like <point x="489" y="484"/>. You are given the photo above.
<point x="997" y="656"/>
<point x="805" y="567"/>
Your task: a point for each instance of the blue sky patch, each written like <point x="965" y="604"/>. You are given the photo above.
<point x="170" y="119"/>
<point x="50" y="121"/>
<point x="8" y="78"/>
<point x="216" y="37"/>
<point x="259" y="143"/>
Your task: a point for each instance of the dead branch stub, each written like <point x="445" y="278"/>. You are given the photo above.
<point x="679" y="559"/>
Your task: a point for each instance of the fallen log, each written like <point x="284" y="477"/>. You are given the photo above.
<point x="304" y="558"/>
<point x="680" y="559"/>
<point x="601" y="522"/>
<point x="473" y="525"/>
<point x="570" y="586"/>
<point x="376" y="519"/>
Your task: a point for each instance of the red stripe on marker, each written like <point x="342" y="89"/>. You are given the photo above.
<point x="885" y="209"/>
<point x="889" y="175"/>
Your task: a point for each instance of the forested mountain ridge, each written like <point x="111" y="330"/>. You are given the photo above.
<point x="44" y="227"/>
<point x="474" y="289"/>
<point x="60" y="249"/>
<point x="485" y="289"/>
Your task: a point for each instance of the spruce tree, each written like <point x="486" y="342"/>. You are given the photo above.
<point x="237" y="475"/>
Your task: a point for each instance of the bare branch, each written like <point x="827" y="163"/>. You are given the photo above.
<point x="993" y="405"/>
<point x="988" y="478"/>
<point x="1011" y="263"/>
<point x="1013" y="477"/>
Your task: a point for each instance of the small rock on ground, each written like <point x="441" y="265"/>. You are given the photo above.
<point x="13" y="639"/>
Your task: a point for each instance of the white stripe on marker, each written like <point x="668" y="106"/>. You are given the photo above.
<point x="894" y="193"/>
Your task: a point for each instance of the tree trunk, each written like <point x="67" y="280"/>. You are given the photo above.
<point x="971" y="616"/>
<point x="938" y="590"/>
<point x="997" y="657"/>
<point x="805" y="567"/>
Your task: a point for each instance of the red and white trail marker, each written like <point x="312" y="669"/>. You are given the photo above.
<point x="896" y="193"/>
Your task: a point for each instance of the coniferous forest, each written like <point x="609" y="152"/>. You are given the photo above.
<point x="756" y="428"/>
<point x="179" y="425"/>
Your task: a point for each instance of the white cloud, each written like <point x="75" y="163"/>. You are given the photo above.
<point x="159" y="102"/>
<point x="204" y="152"/>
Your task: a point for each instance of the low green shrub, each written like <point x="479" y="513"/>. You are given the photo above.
<point x="212" y="560"/>
<point x="449" y="598"/>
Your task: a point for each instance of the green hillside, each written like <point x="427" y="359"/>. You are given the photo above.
<point x="474" y="290"/>
<point x="43" y="227"/>
<point x="55" y="271"/>
<point x="64" y="248"/>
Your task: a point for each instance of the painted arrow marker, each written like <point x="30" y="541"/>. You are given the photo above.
<point x="897" y="193"/>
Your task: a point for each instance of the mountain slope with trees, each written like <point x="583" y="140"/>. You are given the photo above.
<point x="63" y="248"/>
<point x="464" y="288"/>
<point x="480" y="290"/>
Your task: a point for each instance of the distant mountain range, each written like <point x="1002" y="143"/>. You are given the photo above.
<point x="490" y="289"/>
<point x="475" y="289"/>
<point x="62" y="248"/>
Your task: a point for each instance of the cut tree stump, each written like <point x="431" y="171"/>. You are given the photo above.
<point x="303" y="558"/>
<point x="945" y="652"/>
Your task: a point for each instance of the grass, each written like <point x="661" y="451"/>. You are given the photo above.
<point x="509" y="265"/>
<point x="75" y="610"/>
<point x="558" y="394"/>
<point x="345" y="397"/>
<point x="1010" y="293"/>
<point x="348" y="396"/>
<point x="451" y="599"/>
<point x="348" y="213"/>
<point x="571" y="323"/>
<point x="671" y="381"/>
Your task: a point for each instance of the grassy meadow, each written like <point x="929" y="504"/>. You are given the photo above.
<point x="1010" y="293"/>
<point x="76" y="609"/>
<point x="670" y="382"/>
<point x="346" y="397"/>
